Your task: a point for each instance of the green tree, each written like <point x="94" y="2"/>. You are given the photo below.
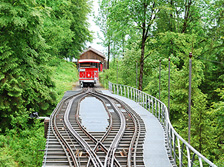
<point x="66" y="26"/>
<point x="155" y="30"/>
<point x="25" y="83"/>
<point x="217" y="114"/>
<point x="213" y="51"/>
<point x="139" y="15"/>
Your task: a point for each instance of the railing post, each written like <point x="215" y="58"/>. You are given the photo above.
<point x="131" y="94"/>
<point x="145" y="101"/>
<point x="163" y="114"/>
<point x="170" y="140"/>
<point x="138" y="96"/>
<point x="188" y="157"/>
<point x="117" y="89"/>
<point x="138" y="93"/>
<point x="152" y="106"/>
<point x="141" y="97"/>
<point x="124" y="91"/>
<point x="181" y="155"/>
<point x="200" y="162"/>
<point x="174" y="147"/>
<point x="159" y="108"/>
<point x="179" y="151"/>
<point x="128" y="91"/>
<point x="134" y="94"/>
<point x="155" y="107"/>
<point x="192" y="160"/>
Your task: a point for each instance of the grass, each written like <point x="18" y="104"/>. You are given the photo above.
<point x="64" y="75"/>
<point x="20" y="147"/>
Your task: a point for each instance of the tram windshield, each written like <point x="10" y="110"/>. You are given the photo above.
<point x="89" y="64"/>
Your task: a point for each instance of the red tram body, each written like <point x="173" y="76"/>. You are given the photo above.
<point x="89" y="71"/>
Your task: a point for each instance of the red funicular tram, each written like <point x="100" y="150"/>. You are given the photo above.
<point x="89" y="71"/>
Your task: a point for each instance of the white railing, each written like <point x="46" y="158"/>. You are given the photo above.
<point x="181" y="152"/>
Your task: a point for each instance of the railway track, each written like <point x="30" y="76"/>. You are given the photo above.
<point x="70" y="144"/>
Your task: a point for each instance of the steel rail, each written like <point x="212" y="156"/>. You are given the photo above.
<point x="135" y="137"/>
<point x="73" y="144"/>
<point x="84" y="130"/>
<point x="91" y="137"/>
<point x="59" y="137"/>
<point x="110" y="157"/>
<point x="94" y="158"/>
<point x="52" y="123"/>
<point x="68" y="148"/>
<point x="100" y="142"/>
<point x="64" y="143"/>
<point x="92" y="93"/>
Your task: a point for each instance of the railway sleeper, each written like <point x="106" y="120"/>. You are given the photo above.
<point x="57" y="158"/>
<point x="57" y="163"/>
<point x="55" y="146"/>
<point x="55" y="153"/>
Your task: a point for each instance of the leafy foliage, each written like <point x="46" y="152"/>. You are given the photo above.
<point x="159" y="30"/>
<point x="20" y="147"/>
<point x="66" y="27"/>
<point x="32" y="33"/>
<point x="24" y="80"/>
<point x="34" y="36"/>
<point x="21" y="144"/>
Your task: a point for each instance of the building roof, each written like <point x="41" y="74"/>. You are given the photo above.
<point x="89" y="60"/>
<point x="95" y="51"/>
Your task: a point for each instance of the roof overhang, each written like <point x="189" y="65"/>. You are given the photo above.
<point x="89" y="61"/>
<point x="95" y="51"/>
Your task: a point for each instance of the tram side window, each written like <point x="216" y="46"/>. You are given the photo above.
<point x="95" y="65"/>
<point x="84" y="65"/>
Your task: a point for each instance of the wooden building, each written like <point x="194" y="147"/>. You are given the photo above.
<point x="92" y="53"/>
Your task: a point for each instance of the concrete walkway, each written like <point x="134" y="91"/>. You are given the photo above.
<point x="155" y="154"/>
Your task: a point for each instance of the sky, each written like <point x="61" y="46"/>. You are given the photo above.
<point x="93" y="27"/>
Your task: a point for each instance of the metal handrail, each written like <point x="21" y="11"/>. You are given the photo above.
<point x="178" y="147"/>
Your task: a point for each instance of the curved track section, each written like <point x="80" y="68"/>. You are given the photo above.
<point x="70" y="144"/>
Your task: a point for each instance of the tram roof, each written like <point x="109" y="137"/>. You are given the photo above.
<point x="89" y="61"/>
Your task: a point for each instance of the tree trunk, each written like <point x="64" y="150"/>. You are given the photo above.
<point x="123" y="45"/>
<point x="108" y="56"/>
<point x="186" y="16"/>
<point x="144" y="37"/>
<point x="142" y="63"/>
